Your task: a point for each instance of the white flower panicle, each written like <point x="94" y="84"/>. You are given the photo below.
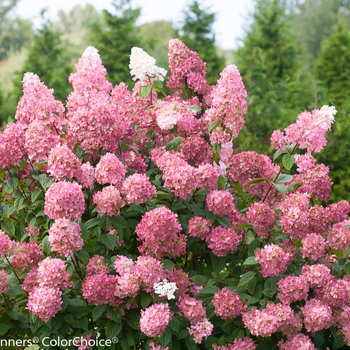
<point x="143" y="66"/>
<point x="326" y="116"/>
<point x="91" y="53"/>
<point x="165" y="288"/>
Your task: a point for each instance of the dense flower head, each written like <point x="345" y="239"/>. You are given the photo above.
<point x="26" y="254"/>
<point x="245" y="343"/>
<point x="110" y="170"/>
<point x="65" y="237"/>
<point x="165" y="288"/>
<point x="97" y="265"/>
<point x="333" y="293"/>
<point x="228" y="304"/>
<point x="108" y="201"/>
<point x="229" y="101"/>
<point x="314" y="246"/>
<point x="207" y="177"/>
<point x="292" y="288"/>
<point x="123" y="264"/>
<point x="155" y="319"/>
<point x="199" y="227"/>
<point x="149" y="271"/>
<point x="317" y="315"/>
<point x="32" y="230"/>
<point x="317" y="275"/>
<point x="262" y="217"/>
<point x="223" y="241"/>
<point x="3" y="282"/>
<point x="5" y="243"/>
<point x="98" y="289"/>
<point x="52" y="273"/>
<point x="38" y="102"/>
<point x="221" y="203"/>
<point x="200" y="330"/>
<point x="192" y="308"/>
<point x="337" y="212"/>
<point x="44" y="302"/>
<point x="143" y="66"/>
<point x="159" y="232"/>
<point x="304" y="161"/>
<point x="63" y="163"/>
<point x="12" y="145"/>
<point x="127" y="285"/>
<point x="64" y="200"/>
<point x="186" y="67"/>
<point x="308" y="131"/>
<point x="339" y="237"/>
<point x="273" y="259"/>
<point x="196" y="150"/>
<point x="157" y="347"/>
<point x="296" y="341"/>
<point x="134" y="161"/>
<point x="86" y="175"/>
<point x="250" y="165"/>
<point x="137" y="188"/>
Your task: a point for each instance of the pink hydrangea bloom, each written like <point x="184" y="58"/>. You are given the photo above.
<point x="228" y="304"/>
<point x="186" y="67"/>
<point x="127" y="285"/>
<point x="38" y="103"/>
<point x="96" y="265"/>
<point x="273" y="259"/>
<point x="207" y="176"/>
<point x="304" y="161"/>
<point x="137" y="188"/>
<point x="5" y="244"/>
<point x="245" y="343"/>
<point x="134" y="161"/>
<point x="339" y="237"/>
<point x="192" y="308"/>
<point x="262" y="217"/>
<point x="64" y="200"/>
<point x="314" y="246"/>
<point x="108" y="201"/>
<point x="200" y="330"/>
<point x="155" y="319"/>
<point x="52" y="273"/>
<point x="157" y="347"/>
<point x="27" y="254"/>
<point x="32" y="230"/>
<point x="223" y="241"/>
<point x="229" y="108"/>
<point x="296" y="341"/>
<point x="44" y="302"/>
<point x="63" y="163"/>
<point x="199" y="227"/>
<point x="98" y="289"/>
<point x="159" y="232"/>
<point x="196" y="150"/>
<point x="65" y="237"/>
<point x="3" y="282"/>
<point x="221" y="203"/>
<point x="12" y="145"/>
<point x="292" y="288"/>
<point x="30" y="281"/>
<point x="86" y="175"/>
<point x="110" y="170"/>
<point x="123" y="265"/>
<point x="317" y="315"/>
<point x="333" y="293"/>
<point x="317" y="275"/>
<point x="338" y="212"/>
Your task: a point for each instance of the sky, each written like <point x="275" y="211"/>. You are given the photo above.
<point x="232" y="16"/>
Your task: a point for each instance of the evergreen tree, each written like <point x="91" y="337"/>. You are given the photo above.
<point x="197" y="33"/>
<point x="115" y="38"/>
<point x="277" y="88"/>
<point x="332" y="68"/>
<point x="47" y="59"/>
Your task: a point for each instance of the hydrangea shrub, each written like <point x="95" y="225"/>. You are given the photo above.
<point x="130" y="215"/>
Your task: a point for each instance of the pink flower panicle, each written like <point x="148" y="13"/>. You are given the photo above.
<point x="96" y="265"/>
<point x="108" y="201"/>
<point x="3" y="282"/>
<point x="262" y="217"/>
<point x="155" y="319"/>
<point x="26" y="254"/>
<point x="314" y="246"/>
<point x="98" y="289"/>
<point x="200" y="330"/>
<point x="199" y="227"/>
<point x="192" y="308"/>
<point x="223" y="241"/>
<point x="137" y="188"/>
<point x="339" y="237"/>
<point x="317" y="315"/>
<point x="245" y="343"/>
<point x="292" y="288"/>
<point x="228" y="304"/>
<point x="296" y="341"/>
<point x="317" y="275"/>
<point x="110" y="170"/>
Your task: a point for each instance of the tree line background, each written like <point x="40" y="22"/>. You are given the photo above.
<point x="295" y="55"/>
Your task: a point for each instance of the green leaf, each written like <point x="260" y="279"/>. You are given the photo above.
<point x="98" y="311"/>
<point x="145" y="91"/>
<point x="174" y="144"/>
<point x="199" y="279"/>
<point x="195" y="108"/>
<point x="4" y="328"/>
<point x="113" y="329"/>
<point x="260" y="179"/>
<point x="338" y="341"/>
<point x="250" y="261"/>
<point x="223" y="221"/>
<point x="92" y="222"/>
<point x="281" y="188"/>
<point x="77" y="302"/>
<point x="271" y="283"/>
<point x="219" y="263"/>
<point x="288" y="161"/>
<point x="266" y="344"/>
<point x="278" y="153"/>
<point x="145" y="300"/>
<point x="12" y="184"/>
<point x="214" y="125"/>
<point x="114" y="314"/>
<point x="109" y="240"/>
<point x="183" y="334"/>
<point x="168" y="264"/>
<point x="246" y="278"/>
<point x="133" y="319"/>
<point x="8" y="227"/>
<point x="46" y="245"/>
<point x="243" y="226"/>
<point x="165" y="339"/>
<point x="158" y="85"/>
<point x="283" y="178"/>
<point x="221" y="182"/>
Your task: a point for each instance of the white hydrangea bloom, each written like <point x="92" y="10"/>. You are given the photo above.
<point x="165" y="288"/>
<point x="92" y="53"/>
<point x="143" y="66"/>
<point x="168" y="119"/>
<point x="326" y="116"/>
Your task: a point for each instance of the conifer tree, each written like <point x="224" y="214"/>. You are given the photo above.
<point x="114" y="39"/>
<point x="269" y="65"/>
<point x="197" y="33"/>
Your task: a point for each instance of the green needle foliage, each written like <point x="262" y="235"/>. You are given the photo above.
<point x="115" y="37"/>
<point x="197" y="33"/>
